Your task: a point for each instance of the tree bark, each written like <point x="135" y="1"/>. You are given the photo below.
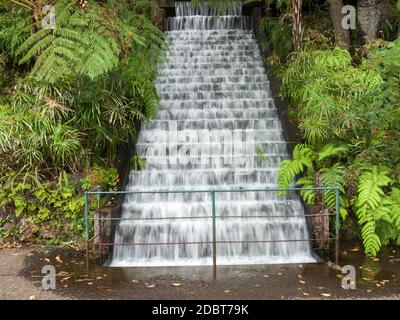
<point x="369" y="15"/>
<point x="298" y="29"/>
<point x="342" y="35"/>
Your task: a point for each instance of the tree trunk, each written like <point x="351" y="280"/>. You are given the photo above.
<point x="342" y="35"/>
<point x="298" y="29"/>
<point x="369" y="15"/>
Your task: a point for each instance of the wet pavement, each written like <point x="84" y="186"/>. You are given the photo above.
<point x="375" y="278"/>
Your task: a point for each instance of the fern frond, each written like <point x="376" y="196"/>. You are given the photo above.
<point x="370" y="207"/>
<point x="302" y="160"/>
<point x="330" y="150"/>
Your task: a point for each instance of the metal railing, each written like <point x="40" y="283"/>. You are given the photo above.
<point x="214" y="217"/>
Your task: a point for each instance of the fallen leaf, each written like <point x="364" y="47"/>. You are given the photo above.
<point x="320" y="288"/>
<point x="63" y="274"/>
<point x="279" y="273"/>
<point x="375" y="259"/>
<point x="355" y="249"/>
<point x="99" y="278"/>
<point x="302" y="281"/>
<point x="300" y="276"/>
<point x="32" y="297"/>
<point x="46" y="260"/>
<point x="90" y="283"/>
<point x="58" y="259"/>
<point x="65" y="279"/>
<point x="135" y="281"/>
<point x="149" y="286"/>
<point x="266" y="276"/>
<point x="340" y="276"/>
<point x="369" y="290"/>
<point x="306" y="294"/>
<point x="326" y="294"/>
<point x="176" y="284"/>
<point x="227" y="291"/>
<point x="257" y="285"/>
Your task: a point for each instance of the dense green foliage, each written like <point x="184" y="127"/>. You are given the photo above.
<point x="348" y="115"/>
<point x="69" y="97"/>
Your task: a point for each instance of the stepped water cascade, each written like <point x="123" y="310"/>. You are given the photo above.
<point x="216" y="115"/>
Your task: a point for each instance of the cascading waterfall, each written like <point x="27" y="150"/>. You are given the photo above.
<point x="216" y="114"/>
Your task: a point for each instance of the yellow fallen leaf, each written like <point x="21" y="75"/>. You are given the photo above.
<point x="326" y="294"/>
<point x="176" y="284"/>
<point x="58" y="259"/>
<point x="355" y="249"/>
<point x="375" y="259"/>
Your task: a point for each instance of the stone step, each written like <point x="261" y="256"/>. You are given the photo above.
<point x="215" y="124"/>
<point x="215" y="113"/>
<point x="266" y="104"/>
<point x="212" y="79"/>
<point x="200" y="87"/>
<point x="221" y="95"/>
<point x="212" y="72"/>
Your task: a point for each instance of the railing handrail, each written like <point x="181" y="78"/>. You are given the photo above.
<point x="213" y="192"/>
<point x="96" y="192"/>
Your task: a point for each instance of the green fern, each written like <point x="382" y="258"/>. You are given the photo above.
<point x="302" y="159"/>
<point x="369" y="206"/>
<point x="333" y="176"/>
<point x="88" y="43"/>
<point x="307" y="195"/>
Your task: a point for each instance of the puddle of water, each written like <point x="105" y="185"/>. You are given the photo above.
<point x="374" y="276"/>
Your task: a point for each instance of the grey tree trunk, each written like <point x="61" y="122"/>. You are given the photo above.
<point x="298" y="29"/>
<point x="342" y="35"/>
<point x="369" y="15"/>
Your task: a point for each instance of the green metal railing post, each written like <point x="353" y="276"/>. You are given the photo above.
<point x="337" y="226"/>
<point x="87" y="229"/>
<point x="98" y="197"/>
<point x="86" y="216"/>
<point x="214" y="237"/>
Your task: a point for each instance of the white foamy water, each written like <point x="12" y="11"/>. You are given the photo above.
<point x="216" y="111"/>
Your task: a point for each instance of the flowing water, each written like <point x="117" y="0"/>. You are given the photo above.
<point x="217" y="128"/>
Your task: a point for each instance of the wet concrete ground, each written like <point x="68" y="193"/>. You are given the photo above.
<point x="377" y="278"/>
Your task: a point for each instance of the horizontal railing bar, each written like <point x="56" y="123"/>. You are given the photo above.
<point x="220" y="217"/>
<point x="209" y="242"/>
<point x="211" y="190"/>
